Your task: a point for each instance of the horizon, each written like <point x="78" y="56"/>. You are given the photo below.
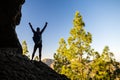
<point x="101" y="19"/>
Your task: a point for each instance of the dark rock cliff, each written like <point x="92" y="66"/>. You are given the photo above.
<point x="19" y="67"/>
<point x="10" y="16"/>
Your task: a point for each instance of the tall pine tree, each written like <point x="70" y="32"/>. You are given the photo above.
<point x="72" y="52"/>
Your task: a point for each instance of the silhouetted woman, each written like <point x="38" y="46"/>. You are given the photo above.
<point x="37" y="38"/>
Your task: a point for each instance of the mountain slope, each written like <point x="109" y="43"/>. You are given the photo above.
<point x="19" y="67"/>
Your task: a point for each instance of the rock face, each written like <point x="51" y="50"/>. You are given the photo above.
<point x="19" y="67"/>
<point x="10" y="15"/>
<point x="48" y="61"/>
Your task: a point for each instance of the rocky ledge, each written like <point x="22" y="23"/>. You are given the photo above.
<point x="20" y="67"/>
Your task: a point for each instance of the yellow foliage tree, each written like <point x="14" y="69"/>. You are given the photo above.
<point x="73" y="52"/>
<point x="24" y="47"/>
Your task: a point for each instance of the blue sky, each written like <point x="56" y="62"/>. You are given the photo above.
<point x="101" y="17"/>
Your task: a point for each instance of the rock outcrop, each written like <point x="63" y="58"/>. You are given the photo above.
<point x="19" y="67"/>
<point x="48" y="61"/>
<point x="10" y="16"/>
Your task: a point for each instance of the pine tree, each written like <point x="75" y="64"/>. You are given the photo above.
<point x="59" y="58"/>
<point x="102" y="68"/>
<point x="73" y="52"/>
<point x="24" y="47"/>
<point x="36" y="58"/>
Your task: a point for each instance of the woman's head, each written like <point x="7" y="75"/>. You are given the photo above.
<point x="38" y="29"/>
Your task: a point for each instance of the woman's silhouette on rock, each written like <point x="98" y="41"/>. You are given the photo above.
<point x="37" y="38"/>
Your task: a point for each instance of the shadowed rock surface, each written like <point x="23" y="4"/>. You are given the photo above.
<point x="10" y="16"/>
<point x="19" y="67"/>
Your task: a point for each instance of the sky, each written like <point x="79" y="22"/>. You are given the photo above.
<point x="101" y="18"/>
